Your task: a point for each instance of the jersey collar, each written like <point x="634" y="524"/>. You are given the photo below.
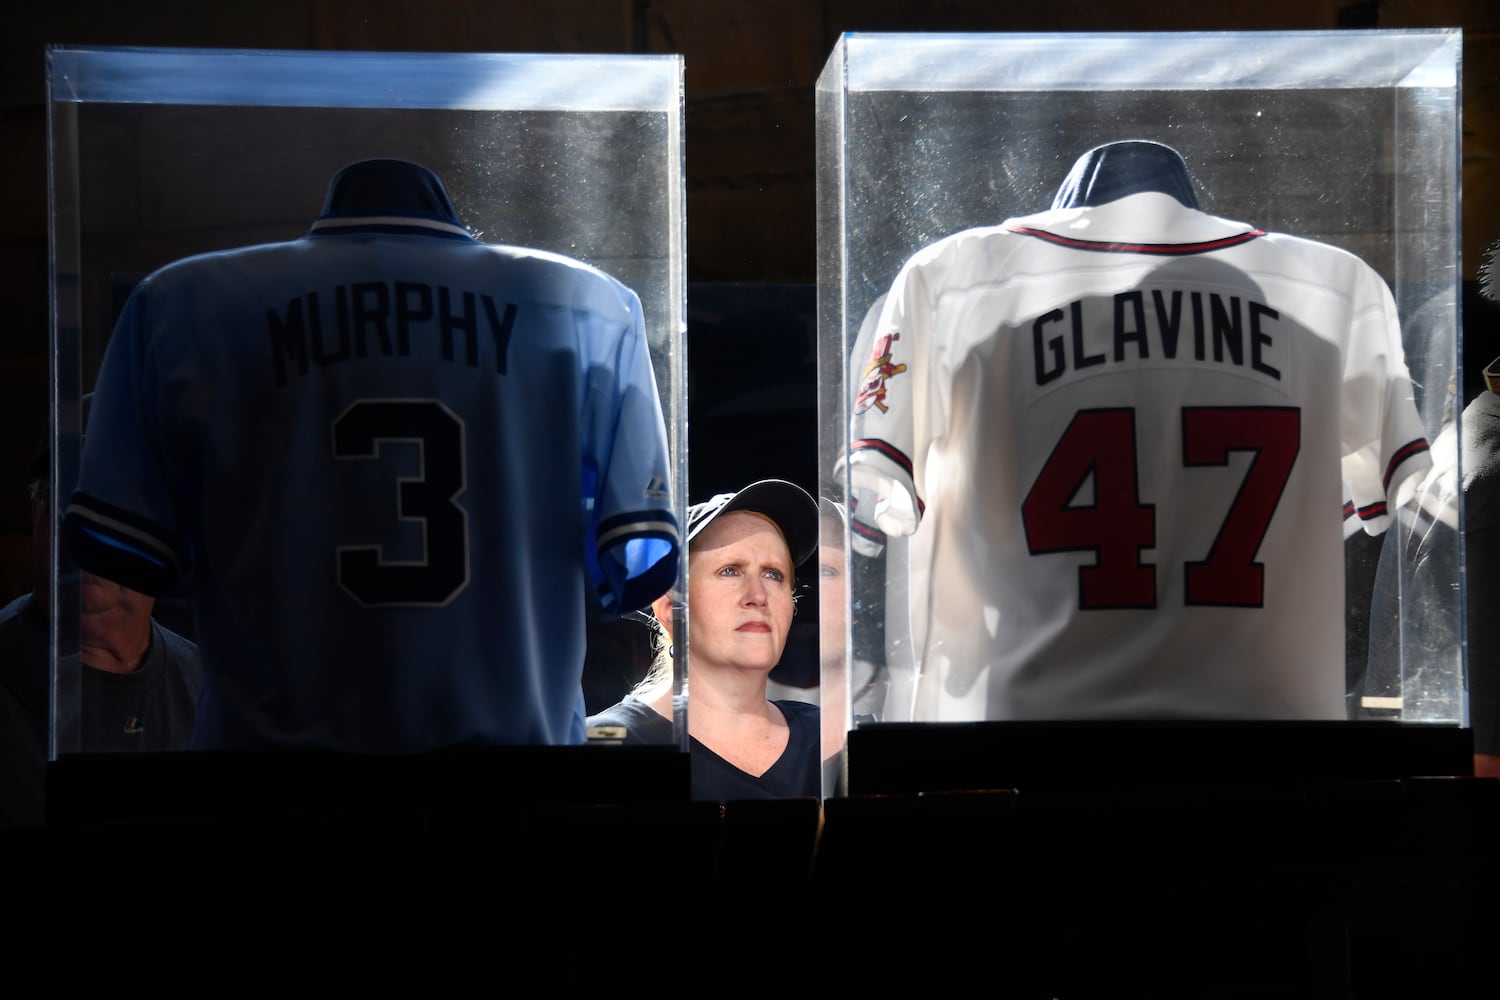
<point x="383" y="195"/>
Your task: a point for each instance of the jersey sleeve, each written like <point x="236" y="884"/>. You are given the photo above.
<point x="633" y="532"/>
<point x="884" y="450"/>
<point x="1385" y="446"/>
<point x="121" y="520"/>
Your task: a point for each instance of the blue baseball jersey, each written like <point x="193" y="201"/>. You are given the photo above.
<point x="388" y="459"/>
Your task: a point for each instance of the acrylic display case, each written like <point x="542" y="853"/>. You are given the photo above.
<point x="1348" y="137"/>
<point x="158" y="153"/>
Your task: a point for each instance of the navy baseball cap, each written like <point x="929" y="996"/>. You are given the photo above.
<point x="791" y="507"/>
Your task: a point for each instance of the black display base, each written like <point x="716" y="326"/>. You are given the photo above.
<point x="432" y="790"/>
<point x="206" y="850"/>
<point x="913" y="757"/>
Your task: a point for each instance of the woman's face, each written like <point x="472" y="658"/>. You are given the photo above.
<point x="739" y="593"/>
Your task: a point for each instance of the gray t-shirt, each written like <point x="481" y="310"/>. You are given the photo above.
<point x="150" y="708"/>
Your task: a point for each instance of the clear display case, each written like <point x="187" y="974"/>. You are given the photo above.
<point x="1350" y="138"/>
<point x="158" y="153"/>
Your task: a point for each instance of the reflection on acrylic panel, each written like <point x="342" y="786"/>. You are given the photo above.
<point x="1347" y="140"/>
<point x="211" y="178"/>
<point x="158" y="154"/>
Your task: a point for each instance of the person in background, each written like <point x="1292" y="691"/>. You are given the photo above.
<point x="139" y="689"/>
<point x="1412" y="617"/>
<point x="853" y="686"/>
<point x="743" y="551"/>
<point x="1481" y="491"/>
<point x="1482" y="541"/>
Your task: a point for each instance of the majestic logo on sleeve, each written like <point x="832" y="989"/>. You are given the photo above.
<point x="879" y="371"/>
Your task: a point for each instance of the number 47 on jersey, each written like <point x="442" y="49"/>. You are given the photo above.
<point x="1117" y="525"/>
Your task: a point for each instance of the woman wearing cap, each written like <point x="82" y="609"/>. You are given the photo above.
<point x="743" y="551"/>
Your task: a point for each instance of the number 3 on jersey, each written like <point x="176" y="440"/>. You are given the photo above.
<point x="429" y="498"/>
<point x="1117" y="526"/>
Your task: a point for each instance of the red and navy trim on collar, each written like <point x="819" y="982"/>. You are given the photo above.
<point x="1159" y="249"/>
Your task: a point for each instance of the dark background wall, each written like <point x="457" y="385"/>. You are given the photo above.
<point x="750" y="70"/>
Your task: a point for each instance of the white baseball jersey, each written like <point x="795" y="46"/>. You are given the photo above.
<point x="1121" y="438"/>
<point x="389" y="459"/>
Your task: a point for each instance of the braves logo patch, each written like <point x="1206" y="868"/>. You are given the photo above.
<point x="878" y="371"/>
